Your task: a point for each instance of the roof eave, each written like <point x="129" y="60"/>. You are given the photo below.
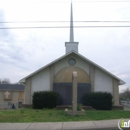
<point x="121" y="82"/>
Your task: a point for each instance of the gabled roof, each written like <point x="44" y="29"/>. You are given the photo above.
<point x="12" y="87"/>
<point x="121" y="82"/>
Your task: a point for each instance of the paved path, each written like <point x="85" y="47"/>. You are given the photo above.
<point x="127" y="108"/>
<point x="84" y="125"/>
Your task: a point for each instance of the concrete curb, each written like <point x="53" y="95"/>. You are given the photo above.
<point x="83" y="125"/>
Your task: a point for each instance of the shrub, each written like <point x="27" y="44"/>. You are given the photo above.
<point x="79" y="107"/>
<point x="98" y="100"/>
<point x="45" y="99"/>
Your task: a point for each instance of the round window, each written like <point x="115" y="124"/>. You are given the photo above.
<point x="72" y="61"/>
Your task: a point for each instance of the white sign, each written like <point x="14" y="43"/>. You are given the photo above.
<point x="123" y="124"/>
<point x="7" y="94"/>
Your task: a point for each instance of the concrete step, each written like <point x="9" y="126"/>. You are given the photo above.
<point x="62" y="107"/>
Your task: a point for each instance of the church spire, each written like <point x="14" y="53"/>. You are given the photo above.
<point x="71" y="25"/>
<point x="71" y="45"/>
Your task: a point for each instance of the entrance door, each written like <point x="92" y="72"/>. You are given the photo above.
<point x="83" y="88"/>
<point x="65" y="91"/>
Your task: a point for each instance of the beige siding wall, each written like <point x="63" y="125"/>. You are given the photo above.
<point x="115" y="92"/>
<point x="92" y="76"/>
<point x="14" y="99"/>
<point x="103" y="82"/>
<point x="1" y="97"/>
<point x="41" y="81"/>
<point x="52" y="75"/>
<point x="28" y="91"/>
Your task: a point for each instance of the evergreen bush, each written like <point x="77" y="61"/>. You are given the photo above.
<point x="98" y="100"/>
<point x="45" y="99"/>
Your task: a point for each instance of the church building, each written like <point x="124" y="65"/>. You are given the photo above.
<point x="57" y="76"/>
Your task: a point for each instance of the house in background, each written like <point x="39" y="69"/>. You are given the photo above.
<point x="57" y="76"/>
<point x="11" y="94"/>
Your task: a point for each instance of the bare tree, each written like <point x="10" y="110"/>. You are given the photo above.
<point x="4" y="81"/>
<point x="125" y="94"/>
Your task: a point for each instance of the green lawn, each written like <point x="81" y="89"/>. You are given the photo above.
<point x="53" y="115"/>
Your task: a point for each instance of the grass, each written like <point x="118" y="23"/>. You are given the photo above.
<point x="53" y="115"/>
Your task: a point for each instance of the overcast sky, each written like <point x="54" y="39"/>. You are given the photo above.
<point x="23" y="51"/>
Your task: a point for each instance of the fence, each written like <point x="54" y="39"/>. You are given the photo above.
<point x="125" y="103"/>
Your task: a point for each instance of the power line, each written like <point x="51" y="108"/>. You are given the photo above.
<point x="106" y="0"/>
<point x="66" y="27"/>
<point x="74" y="1"/>
<point x="65" y="21"/>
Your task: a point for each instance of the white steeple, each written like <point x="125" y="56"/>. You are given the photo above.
<point x="71" y="25"/>
<point x="71" y="45"/>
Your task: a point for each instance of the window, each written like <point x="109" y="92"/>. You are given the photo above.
<point x="72" y="61"/>
<point x="20" y="95"/>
